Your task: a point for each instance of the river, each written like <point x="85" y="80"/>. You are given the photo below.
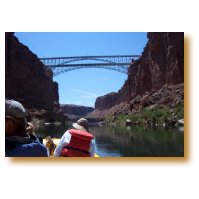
<point x="129" y="141"/>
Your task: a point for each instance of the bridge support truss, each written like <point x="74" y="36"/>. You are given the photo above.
<point x="61" y="65"/>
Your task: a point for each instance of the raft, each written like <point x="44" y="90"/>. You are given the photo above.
<point x="56" y="142"/>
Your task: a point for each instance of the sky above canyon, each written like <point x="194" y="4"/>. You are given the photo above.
<point x="83" y="86"/>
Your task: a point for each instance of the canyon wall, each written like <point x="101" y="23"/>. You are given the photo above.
<point x="74" y="112"/>
<point x="161" y="65"/>
<point x="26" y="78"/>
<point x="29" y="82"/>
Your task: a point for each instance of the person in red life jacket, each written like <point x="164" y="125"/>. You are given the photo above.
<point x="78" y="142"/>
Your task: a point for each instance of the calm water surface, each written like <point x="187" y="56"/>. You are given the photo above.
<point x="129" y="141"/>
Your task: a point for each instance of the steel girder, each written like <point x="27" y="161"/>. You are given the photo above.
<point x="61" y="65"/>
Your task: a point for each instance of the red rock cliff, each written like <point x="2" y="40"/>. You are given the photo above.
<point x="74" y="112"/>
<point x="26" y="79"/>
<point x="161" y="64"/>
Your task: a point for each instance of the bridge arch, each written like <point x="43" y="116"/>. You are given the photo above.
<point x="119" y="63"/>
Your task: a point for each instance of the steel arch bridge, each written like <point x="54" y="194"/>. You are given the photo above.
<point x="61" y="65"/>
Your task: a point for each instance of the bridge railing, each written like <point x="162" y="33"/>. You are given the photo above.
<point x="118" y="63"/>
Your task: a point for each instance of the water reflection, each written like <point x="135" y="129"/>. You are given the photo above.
<point x="140" y="142"/>
<point x="52" y="130"/>
<point x="130" y="141"/>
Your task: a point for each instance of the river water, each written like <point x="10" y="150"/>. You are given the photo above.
<point x="129" y="141"/>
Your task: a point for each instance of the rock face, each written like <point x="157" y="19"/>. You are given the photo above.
<point x="161" y="66"/>
<point x="106" y="101"/>
<point x="26" y="79"/>
<point x="29" y="82"/>
<point x="74" y="112"/>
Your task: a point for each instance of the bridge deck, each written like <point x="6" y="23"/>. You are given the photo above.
<point x="118" y="63"/>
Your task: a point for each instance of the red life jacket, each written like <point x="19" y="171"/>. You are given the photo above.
<point x="79" y="144"/>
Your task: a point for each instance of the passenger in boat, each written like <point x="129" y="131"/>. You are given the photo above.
<point x="78" y="142"/>
<point x="20" y="141"/>
<point x="50" y="145"/>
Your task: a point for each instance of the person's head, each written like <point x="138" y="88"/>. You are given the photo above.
<point x="15" y="120"/>
<point x="49" y="139"/>
<point x="82" y="124"/>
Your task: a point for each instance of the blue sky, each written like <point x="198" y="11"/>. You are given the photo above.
<point x="83" y="86"/>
